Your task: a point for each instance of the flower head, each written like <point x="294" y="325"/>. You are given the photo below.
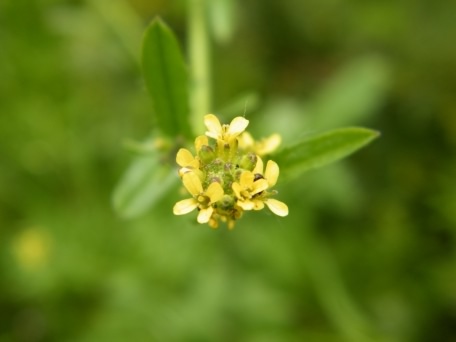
<point x="225" y="181"/>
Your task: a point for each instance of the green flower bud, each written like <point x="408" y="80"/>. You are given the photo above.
<point x="248" y="161"/>
<point x="226" y="202"/>
<point x="237" y="174"/>
<point x="206" y="154"/>
<point x="228" y="167"/>
<point x="215" y="179"/>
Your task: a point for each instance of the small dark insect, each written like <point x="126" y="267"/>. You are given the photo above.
<point x="257" y="176"/>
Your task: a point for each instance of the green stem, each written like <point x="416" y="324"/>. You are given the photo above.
<point x="199" y="55"/>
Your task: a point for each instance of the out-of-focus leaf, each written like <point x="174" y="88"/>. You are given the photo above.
<point x="221" y="19"/>
<point x="146" y="181"/>
<point x="319" y="150"/>
<point x="352" y="94"/>
<point x="166" y="78"/>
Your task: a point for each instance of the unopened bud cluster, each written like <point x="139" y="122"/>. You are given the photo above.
<point x="227" y="176"/>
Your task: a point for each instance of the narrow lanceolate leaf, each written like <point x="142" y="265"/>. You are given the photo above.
<point x="322" y="149"/>
<point x="166" y="79"/>
<point x="144" y="184"/>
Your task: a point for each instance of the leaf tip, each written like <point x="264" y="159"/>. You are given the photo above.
<point x="157" y="20"/>
<point x="374" y="134"/>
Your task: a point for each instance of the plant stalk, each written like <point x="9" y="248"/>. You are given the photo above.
<point x="199" y="60"/>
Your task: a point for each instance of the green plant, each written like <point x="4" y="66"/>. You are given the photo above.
<point x="181" y="99"/>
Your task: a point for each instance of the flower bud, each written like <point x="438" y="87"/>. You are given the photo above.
<point x="215" y="179"/>
<point x="248" y="161"/>
<point x="206" y="154"/>
<point x="226" y="202"/>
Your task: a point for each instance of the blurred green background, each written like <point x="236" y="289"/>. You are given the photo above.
<point x="368" y="250"/>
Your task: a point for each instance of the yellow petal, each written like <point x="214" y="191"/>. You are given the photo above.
<point x="246" y="179"/>
<point x="214" y="192"/>
<point x="246" y="205"/>
<point x="258" y="205"/>
<point x="213" y="125"/>
<point x="184" y="157"/>
<point x="192" y="183"/>
<point x="277" y="207"/>
<point x="204" y="215"/>
<point x="246" y="141"/>
<point x="197" y="172"/>
<point x="272" y="172"/>
<point x="269" y="144"/>
<point x="237" y="189"/>
<point x="259" y="166"/>
<point x="259" y="185"/>
<point x="184" y="206"/>
<point x="184" y="170"/>
<point x="200" y="141"/>
<point x="237" y="126"/>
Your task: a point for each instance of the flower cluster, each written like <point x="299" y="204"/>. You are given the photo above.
<point x="227" y="176"/>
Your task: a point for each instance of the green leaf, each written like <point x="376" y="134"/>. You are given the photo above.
<point x="353" y="94"/>
<point x="166" y="78"/>
<point x="146" y="181"/>
<point x="322" y="149"/>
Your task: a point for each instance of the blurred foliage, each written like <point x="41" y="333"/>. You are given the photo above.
<point x="367" y="252"/>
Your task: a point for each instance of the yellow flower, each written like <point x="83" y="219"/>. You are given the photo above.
<point x="261" y="147"/>
<point x="270" y="175"/>
<point x="203" y="200"/>
<point x="224" y="133"/>
<point x="187" y="161"/>
<point x="246" y="190"/>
